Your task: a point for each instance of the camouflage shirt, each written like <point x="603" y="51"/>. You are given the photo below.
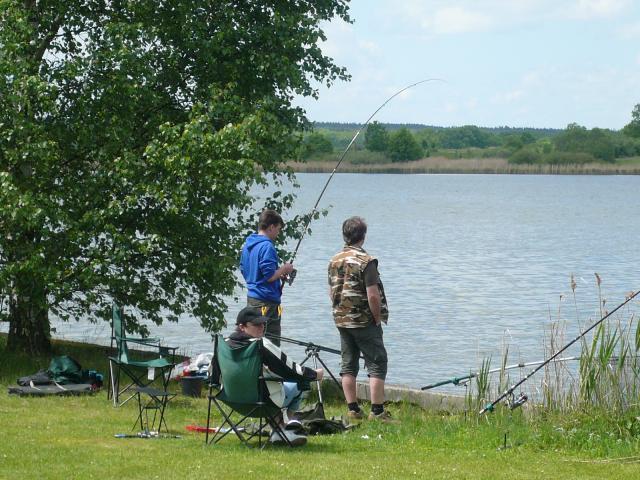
<point x="348" y="289"/>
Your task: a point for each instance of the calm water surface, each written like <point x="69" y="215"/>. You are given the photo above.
<point x="469" y="263"/>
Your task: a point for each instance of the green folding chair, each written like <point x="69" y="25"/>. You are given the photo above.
<point x="141" y="372"/>
<point x="241" y="395"/>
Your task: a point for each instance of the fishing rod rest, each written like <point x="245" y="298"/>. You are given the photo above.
<point x="518" y="402"/>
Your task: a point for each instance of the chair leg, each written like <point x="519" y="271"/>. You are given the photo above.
<point x="139" y="419"/>
<point x="206" y="438"/>
<point x="115" y="382"/>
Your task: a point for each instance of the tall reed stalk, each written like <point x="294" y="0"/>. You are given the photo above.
<point x="607" y="377"/>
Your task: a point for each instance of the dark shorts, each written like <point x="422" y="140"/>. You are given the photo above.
<point x="272" y="311"/>
<point x="368" y="341"/>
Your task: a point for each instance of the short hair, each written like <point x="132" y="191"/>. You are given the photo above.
<point x="269" y="217"/>
<point x="354" y="230"/>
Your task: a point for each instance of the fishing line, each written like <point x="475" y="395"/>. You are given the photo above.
<point x="344" y="153"/>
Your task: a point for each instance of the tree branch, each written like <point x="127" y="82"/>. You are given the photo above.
<point x="46" y="41"/>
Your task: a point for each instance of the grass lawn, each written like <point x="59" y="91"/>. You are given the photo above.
<point x="73" y="437"/>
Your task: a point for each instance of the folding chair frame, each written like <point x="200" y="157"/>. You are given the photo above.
<point x="259" y="411"/>
<point x="157" y="401"/>
<point x="137" y="375"/>
<point x="264" y="410"/>
<point x="137" y="371"/>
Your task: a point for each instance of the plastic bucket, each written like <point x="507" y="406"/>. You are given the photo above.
<point x="191" y="386"/>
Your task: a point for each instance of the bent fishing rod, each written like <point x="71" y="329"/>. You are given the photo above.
<point x="509" y="391"/>
<point x="292" y="275"/>
<point x="463" y="380"/>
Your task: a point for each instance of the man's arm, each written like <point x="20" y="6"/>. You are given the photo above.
<point x="283" y="271"/>
<point x="373" y="297"/>
<point x="371" y="278"/>
<point x="268" y="263"/>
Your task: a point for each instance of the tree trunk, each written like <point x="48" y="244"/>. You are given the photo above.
<point x="29" y="328"/>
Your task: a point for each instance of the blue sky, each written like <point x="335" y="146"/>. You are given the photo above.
<point x="520" y="63"/>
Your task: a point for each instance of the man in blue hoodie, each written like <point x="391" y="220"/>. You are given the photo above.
<point x="259" y="266"/>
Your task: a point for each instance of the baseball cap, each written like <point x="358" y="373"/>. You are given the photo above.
<point x="250" y="315"/>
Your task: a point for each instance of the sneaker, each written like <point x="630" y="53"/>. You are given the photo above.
<point x="385" y="417"/>
<point x="295" y="439"/>
<point x="355" y="415"/>
<point x="295" y="426"/>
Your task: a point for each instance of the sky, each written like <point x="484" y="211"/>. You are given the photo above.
<point x="518" y="63"/>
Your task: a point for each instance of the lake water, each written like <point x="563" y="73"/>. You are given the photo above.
<point x="469" y="263"/>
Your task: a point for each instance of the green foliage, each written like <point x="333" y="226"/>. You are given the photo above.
<point x="314" y="144"/>
<point x="467" y="136"/>
<point x="515" y="141"/>
<point x="429" y="140"/>
<point x="632" y="129"/>
<point x="525" y="155"/>
<point x="626" y="146"/>
<point x="376" y="138"/>
<point x="578" y="139"/>
<point x="403" y="146"/>
<point x="131" y="135"/>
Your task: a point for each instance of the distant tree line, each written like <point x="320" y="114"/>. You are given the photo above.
<point x="399" y="143"/>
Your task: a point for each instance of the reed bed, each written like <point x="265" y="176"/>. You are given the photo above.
<point x="604" y="376"/>
<point x="470" y="165"/>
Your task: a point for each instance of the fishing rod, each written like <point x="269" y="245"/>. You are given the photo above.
<point x="509" y="391"/>
<point x="312" y="351"/>
<point x="304" y="344"/>
<point x="292" y="275"/>
<point x="463" y="379"/>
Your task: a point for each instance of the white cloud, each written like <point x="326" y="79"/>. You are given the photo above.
<point x="591" y="9"/>
<point x="338" y="34"/>
<point x="452" y="20"/>
<point x="439" y="17"/>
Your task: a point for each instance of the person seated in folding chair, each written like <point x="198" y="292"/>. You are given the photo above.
<point x="250" y="327"/>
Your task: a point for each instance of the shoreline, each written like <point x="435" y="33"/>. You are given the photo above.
<point x="442" y="165"/>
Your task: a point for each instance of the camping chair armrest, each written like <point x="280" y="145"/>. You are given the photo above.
<point x="149" y="341"/>
<point x="165" y="351"/>
<point x="168" y="350"/>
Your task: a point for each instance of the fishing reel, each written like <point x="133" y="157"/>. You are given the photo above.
<point x="518" y="402"/>
<point x="291" y="277"/>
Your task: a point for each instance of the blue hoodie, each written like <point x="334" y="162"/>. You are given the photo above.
<point x="258" y="263"/>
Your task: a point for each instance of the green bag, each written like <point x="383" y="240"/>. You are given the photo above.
<point x="65" y="370"/>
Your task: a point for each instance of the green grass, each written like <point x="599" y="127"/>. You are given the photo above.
<point x="72" y="437"/>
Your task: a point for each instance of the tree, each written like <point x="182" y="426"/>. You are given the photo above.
<point x="632" y="129"/>
<point x="577" y="139"/>
<point x="467" y="136"/>
<point x="131" y="135"/>
<point x="428" y="140"/>
<point x="403" y="146"/>
<point x="376" y="138"/>
<point x="316" y="143"/>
